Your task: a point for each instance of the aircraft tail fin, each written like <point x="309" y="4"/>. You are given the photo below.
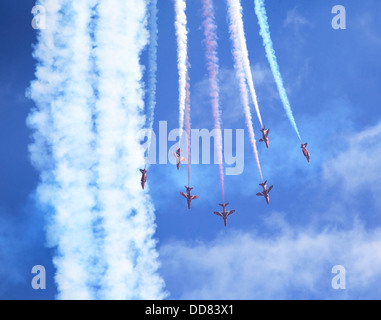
<point x="263" y="184"/>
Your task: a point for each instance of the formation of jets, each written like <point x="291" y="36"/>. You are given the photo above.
<point x="225" y="214"/>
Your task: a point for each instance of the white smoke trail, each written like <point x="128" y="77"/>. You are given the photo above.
<point x="63" y="135"/>
<point x="235" y="15"/>
<point x="152" y="69"/>
<point x="88" y="173"/>
<point x="240" y="73"/>
<point x="260" y="11"/>
<point x="188" y="127"/>
<point x="128" y="215"/>
<point x="182" y="52"/>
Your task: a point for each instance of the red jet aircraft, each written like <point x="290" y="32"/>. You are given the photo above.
<point x="305" y="151"/>
<point x="224" y="214"/>
<point x="265" y="192"/>
<point x="144" y="177"/>
<point x="178" y="157"/>
<point x="188" y="196"/>
<point x="265" y="136"/>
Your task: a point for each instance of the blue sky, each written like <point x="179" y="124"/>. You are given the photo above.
<point x="321" y="214"/>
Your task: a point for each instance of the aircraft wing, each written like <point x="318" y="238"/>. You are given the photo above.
<point x="260" y="194"/>
<point x="175" y="155"/>
<point x="183" y="194"/>
<point x="261" y="140"/>
<point x="218" y="213"/>
<point x="194" y="197"/>
<point x="271" y="188"/>
<point x="182" y="159"/>
<point x="231" y="212"/>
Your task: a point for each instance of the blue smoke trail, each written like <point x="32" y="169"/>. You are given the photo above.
<point x="260" y="11"/>
<point x="152" y="70"/>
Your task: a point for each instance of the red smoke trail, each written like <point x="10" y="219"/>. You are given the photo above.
<point x="213" y="69"/>
<point x="240" y="72"/>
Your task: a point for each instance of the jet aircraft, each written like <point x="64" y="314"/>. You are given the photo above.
<point x="305" y="151"/>
<point x="224" y="214"/>
<point x="189" y="196"/>
<point x="265" y="137"/>
<point x="144" y="177"/>
<point x="265" y="192"/>
<point x="178" y="157"/>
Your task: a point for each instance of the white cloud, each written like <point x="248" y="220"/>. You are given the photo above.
<point x="366" y="24"/>
<point x="359" y="167"/>
<point x="295" y="19"/>
<point x="242" y="265"/>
